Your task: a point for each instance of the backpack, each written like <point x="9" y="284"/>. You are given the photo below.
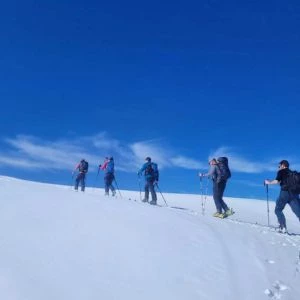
<point x="223" y="171"/>
<point x="293" y="182"/>
<point x="152" y="171"/>
<point x="83" y="167"/>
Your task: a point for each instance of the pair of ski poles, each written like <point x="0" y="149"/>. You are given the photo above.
<point x="203" y="195"/>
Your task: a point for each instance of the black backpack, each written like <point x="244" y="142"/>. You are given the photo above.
<point x="293" y="182"/>
<point x="84" y="166"/>
<point x="223" y="171"/>
<point x="152" y="171"/>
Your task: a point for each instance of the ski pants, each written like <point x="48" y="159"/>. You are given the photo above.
<point x="149" y="186"/>
<point x="218" y="191"/>
<point x="80" y="178"/>
<point x="108" y="179"/>
<point x="284" y="198"/>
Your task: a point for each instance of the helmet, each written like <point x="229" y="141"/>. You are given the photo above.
<point x="148" y="158"/>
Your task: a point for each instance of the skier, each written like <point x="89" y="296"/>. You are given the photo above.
<point x="151" y="178"/>
<point x="109" y="168"/>
<point x="285" y="196"/>
<point x="219" y="185"/>
<point x="82" y="167"/>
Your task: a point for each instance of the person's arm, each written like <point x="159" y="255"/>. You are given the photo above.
<point x="274" y="181"/>
<point x="277" y="180"/>
<point x="76" y="168"/>
<point x="142" y="169"/>
<point x="104" y="166"/>
<point x="210" y="173"/>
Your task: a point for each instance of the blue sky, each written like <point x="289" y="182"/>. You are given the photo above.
<point x="180" y="82"/>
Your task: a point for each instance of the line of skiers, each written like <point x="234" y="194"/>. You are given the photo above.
<point x="219" y="173"/>
<point x="149" y="169"/>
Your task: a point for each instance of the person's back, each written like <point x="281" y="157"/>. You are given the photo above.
<point x="222" y="169"/>
<point x="150" y="171"/>
<point x="110" y="168"/>
<point x="83" y="166"/>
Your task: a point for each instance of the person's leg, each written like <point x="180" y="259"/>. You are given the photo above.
<point x="295" y="205"/>
<point x="280" y="204"/>
<point x="221" y="189"/>
<point x="77" y="182"/>
<point x="217" y="197"/>
<point x="112" y="188"/>
<point x="146" y="199"/>
<point x="106" y="184"/>
<point x="82" y="182"/>
<point x="153" y="193"/>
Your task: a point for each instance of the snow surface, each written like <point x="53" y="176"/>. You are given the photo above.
<point x="56" y="243"/>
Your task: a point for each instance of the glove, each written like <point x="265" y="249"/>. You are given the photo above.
<point x="100" y="166"/>
<point x="139" y="173"/>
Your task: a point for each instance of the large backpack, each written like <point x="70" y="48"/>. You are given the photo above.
<point x="84" y="166"/>
<point x="152" y="171"/>
<point x="293" y="182"/>
<point x="223" y="171"/>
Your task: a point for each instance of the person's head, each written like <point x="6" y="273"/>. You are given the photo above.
<point x="82" y="160"/>
<point x="213" y="161"/>
<point x="148" y="159"/>
<point x="111" y="158"/>
<point x="284" y="164"/>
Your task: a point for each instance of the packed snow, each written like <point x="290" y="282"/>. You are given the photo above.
<point x="59" y="244"/>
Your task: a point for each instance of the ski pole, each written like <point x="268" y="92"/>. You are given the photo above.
<point x="268" y="210"/>
<point x="96" y="178"/>
<point x="202" y="196"/>
<point x="118" y="187"/>
<point x="72" y="180"/>
<point x="161" y="194"/>
<point x="139" y="178"/>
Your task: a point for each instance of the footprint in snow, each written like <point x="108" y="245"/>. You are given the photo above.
<point x="278" y="287"/>
<point x="272" y="295"/>
<point x="269" y="261"/>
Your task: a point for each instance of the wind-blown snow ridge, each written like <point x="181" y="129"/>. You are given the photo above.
<point x="61" y="244"/>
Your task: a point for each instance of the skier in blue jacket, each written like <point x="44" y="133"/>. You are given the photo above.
<point x="151" y="178"/>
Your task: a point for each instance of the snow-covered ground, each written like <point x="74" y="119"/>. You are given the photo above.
<point x="59" y="244"/>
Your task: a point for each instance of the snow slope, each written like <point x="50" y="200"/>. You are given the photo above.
<point x="56" y="243"/>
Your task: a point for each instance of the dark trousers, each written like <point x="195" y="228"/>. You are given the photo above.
<point x="108" y="179"/>
<point x="218" y="191"/>
<point x="286" y="198"/>
<point x="149" y="186"/>
<point x="80" y="178"/>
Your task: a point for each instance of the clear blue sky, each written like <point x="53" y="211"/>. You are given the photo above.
<point x="177" y="81"/>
